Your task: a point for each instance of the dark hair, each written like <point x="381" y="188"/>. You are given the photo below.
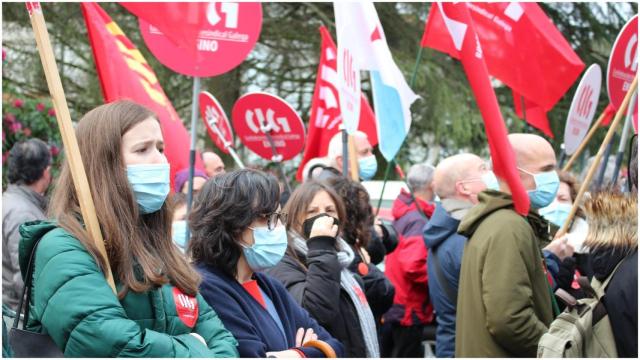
<point x="27" y="161"/>
<point x="574" y="186"/>
<point x="357" y="225"/>
<point x="137" y="245"/>
<point x="226" y="206"/>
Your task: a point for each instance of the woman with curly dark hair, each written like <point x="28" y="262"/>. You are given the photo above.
<point x="238" y="232"/>
<point x="357" y="233"/>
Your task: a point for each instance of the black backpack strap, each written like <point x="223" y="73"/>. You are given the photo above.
<point x="451" y="295"/>
<point x="26" y="289"/>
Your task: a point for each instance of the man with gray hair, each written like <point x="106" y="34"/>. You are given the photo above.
<point x="29" y="175"/>
<point x="457" y="181"/>
<point x="406" y="267"/>
<point x="367" y="164"/>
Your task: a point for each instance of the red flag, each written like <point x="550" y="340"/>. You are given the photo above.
<point x="523" y="49"/>
<point x="125" y="74"/>
<point x="609" y="113"/>
<point x="325" y="116"/>
<point x="164" y="16"/>
<point x="468" y="49"/>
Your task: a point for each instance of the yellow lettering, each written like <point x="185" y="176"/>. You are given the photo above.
<point x="142" y="70"/>
<point x="134" y="53"/>
<point x="114" y="29"/>
<point x="154" y="94"/>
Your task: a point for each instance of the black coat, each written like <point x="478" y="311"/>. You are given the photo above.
<point x="377" y="287"/>
<point x="317" y="289"/>
<point x="621" y="297"/>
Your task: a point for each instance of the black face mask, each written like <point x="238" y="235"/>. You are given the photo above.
<point x="308" y="224"/>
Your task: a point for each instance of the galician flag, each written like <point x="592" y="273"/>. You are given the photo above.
<point x="361" y="38"/>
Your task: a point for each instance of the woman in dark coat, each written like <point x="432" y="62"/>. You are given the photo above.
<point x="237" y="232"/>
<point x="357" y="232"/>
<point x="315" y="269"/>
<point x="613" y="244"/>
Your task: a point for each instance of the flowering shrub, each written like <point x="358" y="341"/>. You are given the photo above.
<point x="23" y="119"/>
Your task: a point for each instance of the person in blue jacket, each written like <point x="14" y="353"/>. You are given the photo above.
<point x="237" y="232"/>
<point x="457" y="181"/>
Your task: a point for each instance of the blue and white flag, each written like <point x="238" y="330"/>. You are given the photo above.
<point x="392" y="96"/>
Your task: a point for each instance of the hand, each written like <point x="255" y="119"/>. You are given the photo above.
<point x="560" y="247"/>
<point x="197" y="336"/>
<point x="324" y="226"/>
<point x="303" y="336"/>
<point x="283" y="354"/>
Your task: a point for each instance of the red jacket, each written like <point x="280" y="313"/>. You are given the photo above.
<point x="406" y="266"/>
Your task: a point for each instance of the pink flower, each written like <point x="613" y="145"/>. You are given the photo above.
<point x="4" y="54"/>
<point x="10" y="118"/>
<point x="15" y="127"/>
<point x="18" y="103"/>
<point x="26" y="132"/>
<point x="52" y="112"/>
<point x="54" y="150"/>
<point x="40" y="107"/>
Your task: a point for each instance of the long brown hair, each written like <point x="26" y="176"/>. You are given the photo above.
<point x="359" y="220"/>
<point x="139" y="247"/>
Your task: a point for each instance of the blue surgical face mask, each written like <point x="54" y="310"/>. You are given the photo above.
<point x="268" y="248"/>
<point x="556" y="213"/>
<point x="150" y="183"/>
<point x="547" y="184"/>
<point x="179" y="233"/>
<point x="490" y="179"/>
<point x="367" y="167"/>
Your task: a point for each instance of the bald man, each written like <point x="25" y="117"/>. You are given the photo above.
<point x="213" y="164"/>
<point x="457" y="181"/>
<point x="504" y="306"/>
<point x="367" y="164"/>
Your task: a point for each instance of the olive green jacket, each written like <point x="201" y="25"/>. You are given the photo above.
<point x="504" y="305"/>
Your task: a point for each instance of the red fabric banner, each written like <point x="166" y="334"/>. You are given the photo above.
<point x="326" y="118"/>
<point x="125" y="74"/>
<point x="522" y="48"/>
<point x="468" y="49"/>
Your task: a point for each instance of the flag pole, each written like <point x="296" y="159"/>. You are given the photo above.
<point x="612" y="129"/>
<point x="67" y="132"/>
<point x="585" y="141"/>
<point x="626" y="129"/>
<point x="192" y="150"/>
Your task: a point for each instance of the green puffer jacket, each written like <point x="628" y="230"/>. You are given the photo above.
<point x="504" y="305"/>
<point x="72" y="302"/>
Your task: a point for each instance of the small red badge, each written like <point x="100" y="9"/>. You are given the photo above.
<point x="186" y="306"/>
<point x="363" y="269"/>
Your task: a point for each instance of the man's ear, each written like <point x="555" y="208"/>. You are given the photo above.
<point x="339" y="162"/>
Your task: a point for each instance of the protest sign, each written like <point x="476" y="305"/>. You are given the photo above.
<point x="258" y="116"/>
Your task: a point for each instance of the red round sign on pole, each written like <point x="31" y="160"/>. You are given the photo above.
<point x="228" y="32"/>
<point x="213" y="116"/>
<point x="623" y="62"/>
<point x="256" y="113"/>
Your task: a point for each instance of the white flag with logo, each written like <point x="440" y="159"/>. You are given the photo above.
<point x="361" y="36"/>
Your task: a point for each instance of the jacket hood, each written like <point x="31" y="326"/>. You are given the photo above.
<point x="31" y="233"/>
<point x="404" y="204"/>
<point x="439" y="228"/>
<point x="490" y="201"/>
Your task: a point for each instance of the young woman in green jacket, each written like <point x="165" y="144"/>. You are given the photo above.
<point x="157" y="311"/>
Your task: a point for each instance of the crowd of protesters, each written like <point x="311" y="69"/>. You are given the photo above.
<point x="311" y="273"/>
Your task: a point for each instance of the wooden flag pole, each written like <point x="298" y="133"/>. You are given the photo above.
<point x="353" y="160"/>
<point x="585" y="141"/>
<point x="592" y="170"/>
<point x="68" y="134"/>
